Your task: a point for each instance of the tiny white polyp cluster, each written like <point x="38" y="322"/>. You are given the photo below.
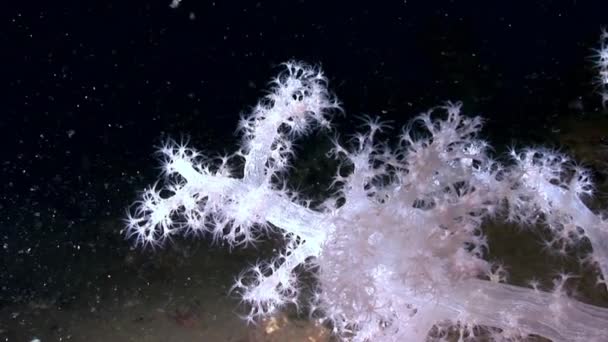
<point x="398" y="249"/>
<point x="601" y="63"/>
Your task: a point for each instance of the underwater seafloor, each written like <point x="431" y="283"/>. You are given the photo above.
<point x="177" y="294"/>
<point x="181" y="293"/>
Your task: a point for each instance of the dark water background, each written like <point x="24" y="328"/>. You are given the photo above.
<point x="89" y="88"/>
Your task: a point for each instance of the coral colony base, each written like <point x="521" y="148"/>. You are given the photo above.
<point x="397" y="250"/>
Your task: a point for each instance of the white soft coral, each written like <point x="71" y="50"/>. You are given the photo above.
<point x="398" y="249"/>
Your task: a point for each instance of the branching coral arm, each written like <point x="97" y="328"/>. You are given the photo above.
<point x="526" y="311"/>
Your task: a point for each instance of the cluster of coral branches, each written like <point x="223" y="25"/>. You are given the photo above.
<point x="398" y="249"/>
